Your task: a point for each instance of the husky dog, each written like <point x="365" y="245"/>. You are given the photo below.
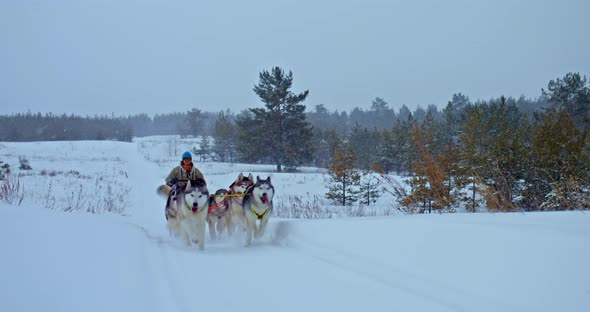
<point x="235" y="198"/>
<point x="257" y="205"/>
<point x="218" y="217"/>
<point x="186" y="211"/>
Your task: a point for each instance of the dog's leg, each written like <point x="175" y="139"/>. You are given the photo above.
<point x="222" y="225"/>
<point x="189" y="233"/>
<point x="172" y="226"/>
<point x="187" y="229"/>
<point x="185" y="235"/>
<point x="243" y="224"/>
<point x="249" y="229"/>
<point x="230" y="225"/>
<point x="262" y="226"/>
<point x="201" y="234"/>
<point x="255" y="227"/>
<point x="211" y="223"/>
<point x="219" y="226"/>
<point x="240" y="223"/>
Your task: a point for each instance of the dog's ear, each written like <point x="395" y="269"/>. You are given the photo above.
<point x="188" y="186"/>
<point x="250" y="177"/>
<point x="240" y="177"/>
<point x="268" y="179"/>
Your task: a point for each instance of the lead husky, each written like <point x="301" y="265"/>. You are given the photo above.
<point x="257" y="205"/>
<point x="235" y="199"/>
<point x="186" y="211"/>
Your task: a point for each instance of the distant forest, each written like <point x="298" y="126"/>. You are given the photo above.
<point x="26" y="127"/>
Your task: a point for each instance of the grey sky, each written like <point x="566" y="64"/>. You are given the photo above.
<point x="156" y="56"/>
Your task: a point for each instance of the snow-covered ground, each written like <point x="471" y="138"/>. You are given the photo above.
<point x="58" y="261"/>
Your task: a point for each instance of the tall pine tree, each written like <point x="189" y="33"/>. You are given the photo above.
<point x="279" y="132"/>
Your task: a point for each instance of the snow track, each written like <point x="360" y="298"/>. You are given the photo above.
<point x="443" y="295"/>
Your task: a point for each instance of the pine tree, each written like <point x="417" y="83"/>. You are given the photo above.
<point x="561" y="162"/>
<point x="386" y="152"/>
<point x="365" y="144"/>
<point x="471" y="158"/>
<point x="204" y="151"/>
<point x="572" y="95"/>
<point x="193" y="123"/>
<point x="381" y="116"/>
<point x="454" y="114"/>
<point x="279" y="132"/>
<point x="396" y="150"/>
<point x="251" y="146"/>
<point x="344" y="180"/>
<point x="369" y="189"/>
<point x="495" y="147"/>
<point x="224" y="137"/>
<point x="325" y="141"/>
<point x="430" y="187"/>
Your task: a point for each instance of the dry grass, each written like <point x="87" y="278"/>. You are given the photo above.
<point x="12" y="191"/>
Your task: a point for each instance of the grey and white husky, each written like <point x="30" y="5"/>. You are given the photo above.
<point x="186" y="211"/>
<point x="257" y="206"/>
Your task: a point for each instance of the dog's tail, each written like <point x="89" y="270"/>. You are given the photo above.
<point x="163" y="190"/>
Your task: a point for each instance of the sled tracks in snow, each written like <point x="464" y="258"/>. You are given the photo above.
<point x="448" y="296"/>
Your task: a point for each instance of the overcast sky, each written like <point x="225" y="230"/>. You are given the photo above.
<point x="159" y="56"/>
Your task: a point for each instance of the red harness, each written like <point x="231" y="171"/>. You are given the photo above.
<point x="217" y="206"/>
<point x="247" y="184"/>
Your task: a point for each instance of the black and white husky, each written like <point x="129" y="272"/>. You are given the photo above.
<point x="186" y="211"/>
<point x="257" y="206"/>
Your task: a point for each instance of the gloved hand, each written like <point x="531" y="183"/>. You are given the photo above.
<point x="172" y="182"/>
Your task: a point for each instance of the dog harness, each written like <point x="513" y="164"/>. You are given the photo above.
<point x="230" y="192"/>
<point x="259" y="216"/>
<point x="217" y="207"/>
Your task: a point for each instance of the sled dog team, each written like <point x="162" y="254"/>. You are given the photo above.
<point x="244" y="207"/>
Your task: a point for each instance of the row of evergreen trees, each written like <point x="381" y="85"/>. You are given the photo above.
<point x="491" y="153"/>
<point x="50" y="127"/>
<point x="504" y="153"/>
<point x="484" y="154"/>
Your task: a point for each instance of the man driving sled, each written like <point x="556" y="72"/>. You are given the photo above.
<point x="187" y="204"/>
<point x="184" y="172"/>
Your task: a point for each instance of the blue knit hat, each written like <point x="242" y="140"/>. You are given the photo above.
<point x="188" y="155"/>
